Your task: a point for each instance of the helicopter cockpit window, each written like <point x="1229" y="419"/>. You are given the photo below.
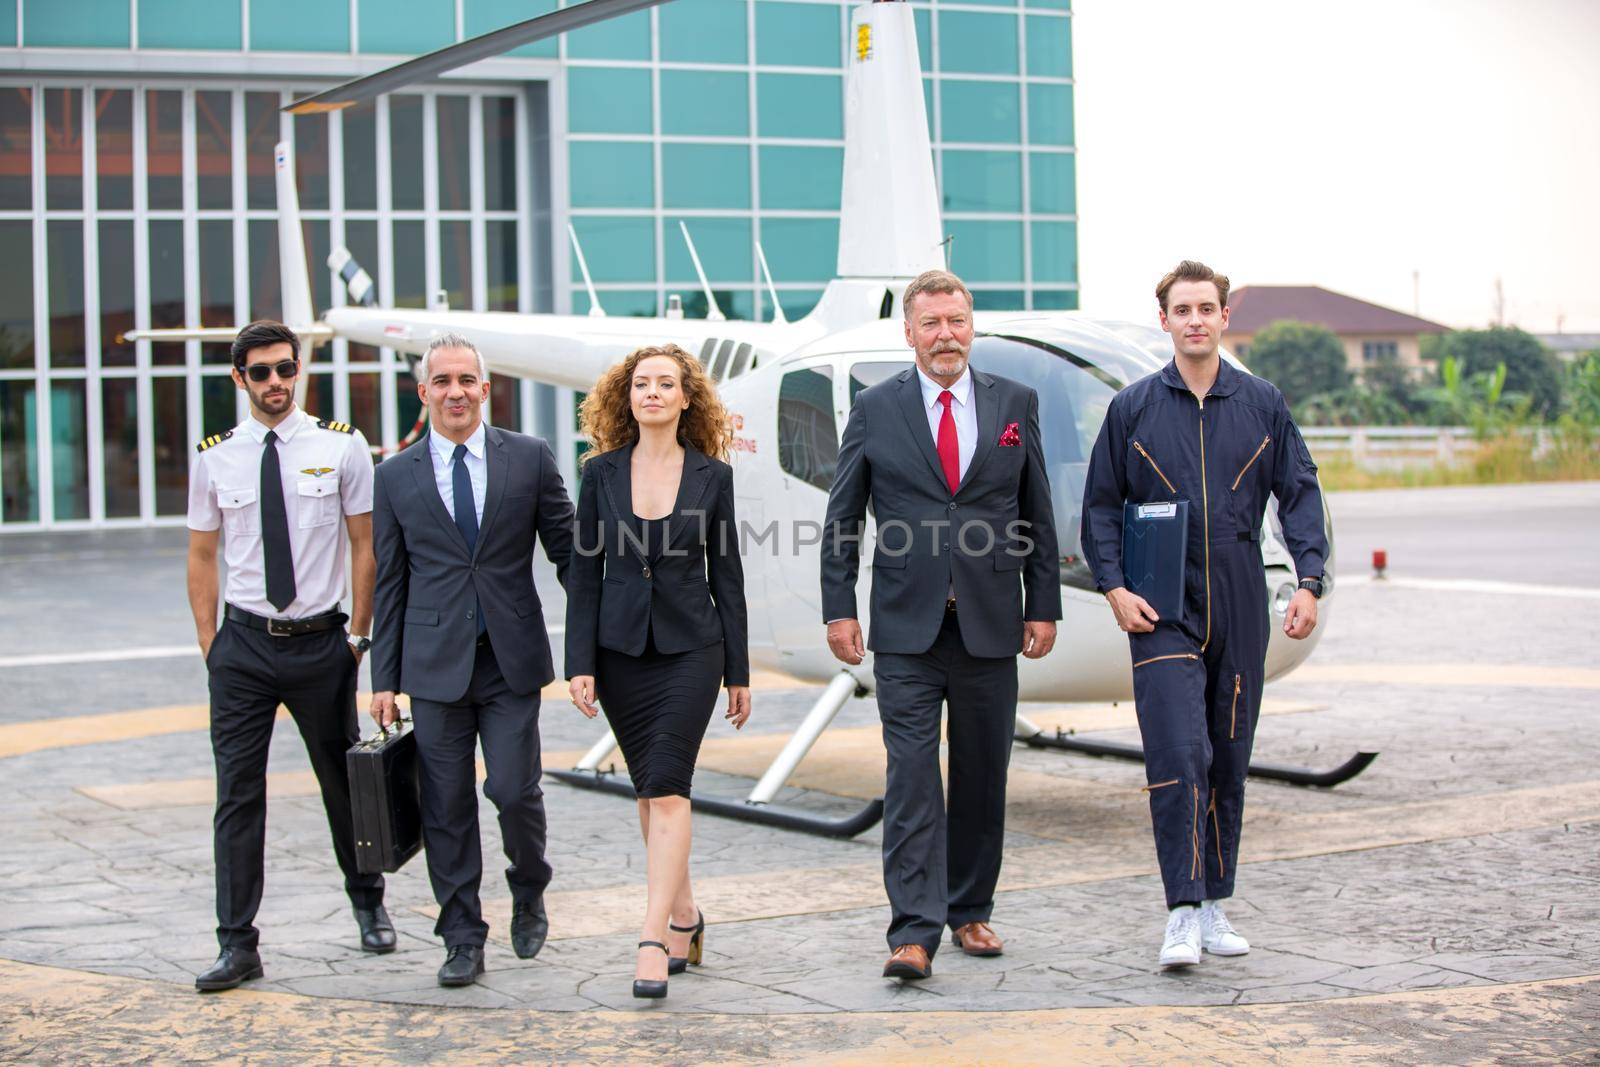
<point x="719" y="363"/>
<point x="865" y="374"/>
<point x="1073" y="397"/>
<point x="741" y="361"/>
<point x="808" y="441"/>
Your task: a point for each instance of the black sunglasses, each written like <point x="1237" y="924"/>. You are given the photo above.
<point x="260" y="372"/>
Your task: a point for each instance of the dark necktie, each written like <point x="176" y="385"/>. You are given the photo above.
<point x="949" y="446"/>
<point x="277" y="556"/>
<point x="466" y="514"/>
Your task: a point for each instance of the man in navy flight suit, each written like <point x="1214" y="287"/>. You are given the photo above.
<point x="1203" y="431"/>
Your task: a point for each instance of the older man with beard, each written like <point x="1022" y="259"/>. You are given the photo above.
<point x="964" y="576"/>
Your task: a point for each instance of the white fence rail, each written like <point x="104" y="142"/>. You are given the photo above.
<point x="1401" y="446"/>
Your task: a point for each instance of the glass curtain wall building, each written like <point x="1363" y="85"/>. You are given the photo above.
<point x="136" y="190"/>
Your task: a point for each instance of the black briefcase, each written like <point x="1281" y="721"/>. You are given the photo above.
<point x="385" y="799"/>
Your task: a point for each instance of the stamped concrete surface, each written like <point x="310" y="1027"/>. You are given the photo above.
<point x="1442" y="907"/>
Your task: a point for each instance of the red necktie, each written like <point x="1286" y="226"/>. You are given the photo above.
<point x="949" y="447"/>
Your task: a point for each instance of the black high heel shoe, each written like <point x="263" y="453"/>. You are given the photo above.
<point x="650" y="988"/>
<point x="679" y="964"/>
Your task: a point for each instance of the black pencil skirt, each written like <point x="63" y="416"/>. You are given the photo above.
<point x="659" y="706"/>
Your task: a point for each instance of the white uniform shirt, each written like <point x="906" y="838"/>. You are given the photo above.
<point x="966" y="415"/>
<point x="326" y="475"/>
<point x="444" y="468"/>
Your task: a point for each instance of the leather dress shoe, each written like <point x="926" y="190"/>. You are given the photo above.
<point x="233" y="967"/>
<point x="529" y="927"/>
<point x="377" y="932"/>
<point x="908" y="961"/>
<point x="977" y="939"/>
<point x="462" y="966"/>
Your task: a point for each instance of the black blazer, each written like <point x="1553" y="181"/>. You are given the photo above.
<point x="616" y="596"/>
<point x="423" y="631"/>
<point x="996" y="529"/>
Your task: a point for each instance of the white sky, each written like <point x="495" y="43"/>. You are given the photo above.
<point x="1345" y="145"/>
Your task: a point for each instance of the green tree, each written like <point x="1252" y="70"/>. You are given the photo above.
<point x="1531" y="369"/>
<point x="1583" y="389"/>
<point x="1301" y="359"/>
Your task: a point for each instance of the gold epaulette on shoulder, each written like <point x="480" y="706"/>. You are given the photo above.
<point x="336" y="427"/>
<point x="214" y="439"/>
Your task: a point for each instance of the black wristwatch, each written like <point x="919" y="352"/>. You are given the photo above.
<point x="1312" y="586"/>
<point x="360" y="644"/>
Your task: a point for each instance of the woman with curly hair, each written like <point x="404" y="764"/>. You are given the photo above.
<point x="656" y="612"/>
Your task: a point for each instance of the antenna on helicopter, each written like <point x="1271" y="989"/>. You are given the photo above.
<point x="777" y="308"/>
<point x="595" y="310"/>
<point x="713" y="312"/>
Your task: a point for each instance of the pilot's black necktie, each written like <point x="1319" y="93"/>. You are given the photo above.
<point x="275" y="551"/>
<point x="466" y="509"/>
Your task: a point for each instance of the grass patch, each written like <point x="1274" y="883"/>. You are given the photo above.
<point x="1572" y="457"/>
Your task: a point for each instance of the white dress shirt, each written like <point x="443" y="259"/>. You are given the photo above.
<point x="966" y="415"/>
<point x="326" y="475"/>
<point x="444" y="472"/>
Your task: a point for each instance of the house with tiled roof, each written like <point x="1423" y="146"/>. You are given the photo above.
<point x="1369" y="332"/>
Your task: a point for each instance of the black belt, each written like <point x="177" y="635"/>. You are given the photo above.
<point x="311" y="624"/>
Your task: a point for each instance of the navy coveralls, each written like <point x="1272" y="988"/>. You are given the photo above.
<point x="1197" y="679"/>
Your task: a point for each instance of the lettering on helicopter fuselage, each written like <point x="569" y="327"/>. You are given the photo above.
<point x="740" y="442"/>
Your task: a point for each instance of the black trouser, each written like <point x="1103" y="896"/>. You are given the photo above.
<point x="941" y="869"/>
<point x="447" y="738"/>
<point x="1197" y="692"/>
<point x="251" y="674"/>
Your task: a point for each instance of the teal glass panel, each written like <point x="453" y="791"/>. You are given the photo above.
<point x="801" y="250"/>
<point x="618" y="250"/>
<point x="705" y="103"/>
<point x="797" y="35"/>
<point x="924" y="22"/>
<point x="1054" y="5"/>
<point x="982" y="181"/>
<point x="725" y="246"/>
<point x="976" y="43"/>
<point x="702" y="31"/>
<point x="299" y="26"/>
<point x="986" y="251"/>
<point x="801" y="179"/>
<point x="1049" y="46"/>
<point x="190" y="24"/>
<point x="705" y="175"/>
<point x="634" y="303"/>
<point x="1052" y="182"/>
<point x="927" y="106"/>
<point x="1055" y="299"/>
<point x="997" y="299"/>
<point x="610" y="174"/>
<point x="734" y="303"/>
<point x="8" y="22"/>
<point x="980" y="111"/>
<point x="608" y="100"/>
<point x="482" y="16"/>
<point x="406" y="27"/>
<point x="627" y="37"/>
<point x="796" y="303"/>
<point x="1055" y="251"/>
<point x="800" y="105"/>
<point x="78" y="24"/>
<point x="1050" y="114"/>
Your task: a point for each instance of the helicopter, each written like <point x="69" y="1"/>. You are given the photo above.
<point x="788" y="387"/>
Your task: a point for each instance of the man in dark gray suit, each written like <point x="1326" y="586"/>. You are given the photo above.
<point x="457" y="625"/>
<point x="954" y="470"/>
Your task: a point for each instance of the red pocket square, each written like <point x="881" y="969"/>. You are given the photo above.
<point x="1010" y="438"/>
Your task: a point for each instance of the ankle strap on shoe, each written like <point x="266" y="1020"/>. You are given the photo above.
<point x="653" y="944"/>
<point x="698" y="924"/>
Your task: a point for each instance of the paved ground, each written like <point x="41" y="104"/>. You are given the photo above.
<point x="1443" y="907"/>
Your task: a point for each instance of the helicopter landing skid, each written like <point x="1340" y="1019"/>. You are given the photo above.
<point x="1034" y="737"/>
<point x="758" y="806"/>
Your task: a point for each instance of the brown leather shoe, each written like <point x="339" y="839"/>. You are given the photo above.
<point x="908" y="961"/>
<point x="977" y="939"/>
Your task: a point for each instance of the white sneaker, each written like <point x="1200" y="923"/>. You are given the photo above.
<point x="1182" y="946"/>
<point x="1217" y="934"/>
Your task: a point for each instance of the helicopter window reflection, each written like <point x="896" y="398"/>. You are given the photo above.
<point x="865" y="374"/>
<point x="808" y="441"/>
<point x="1073" y="398"/>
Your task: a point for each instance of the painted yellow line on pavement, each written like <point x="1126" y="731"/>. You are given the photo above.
<point x="1492" y="675"/>
<point x="60" y="1015"/>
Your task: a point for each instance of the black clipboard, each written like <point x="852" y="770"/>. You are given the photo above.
<point x="1155" y="547"/>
